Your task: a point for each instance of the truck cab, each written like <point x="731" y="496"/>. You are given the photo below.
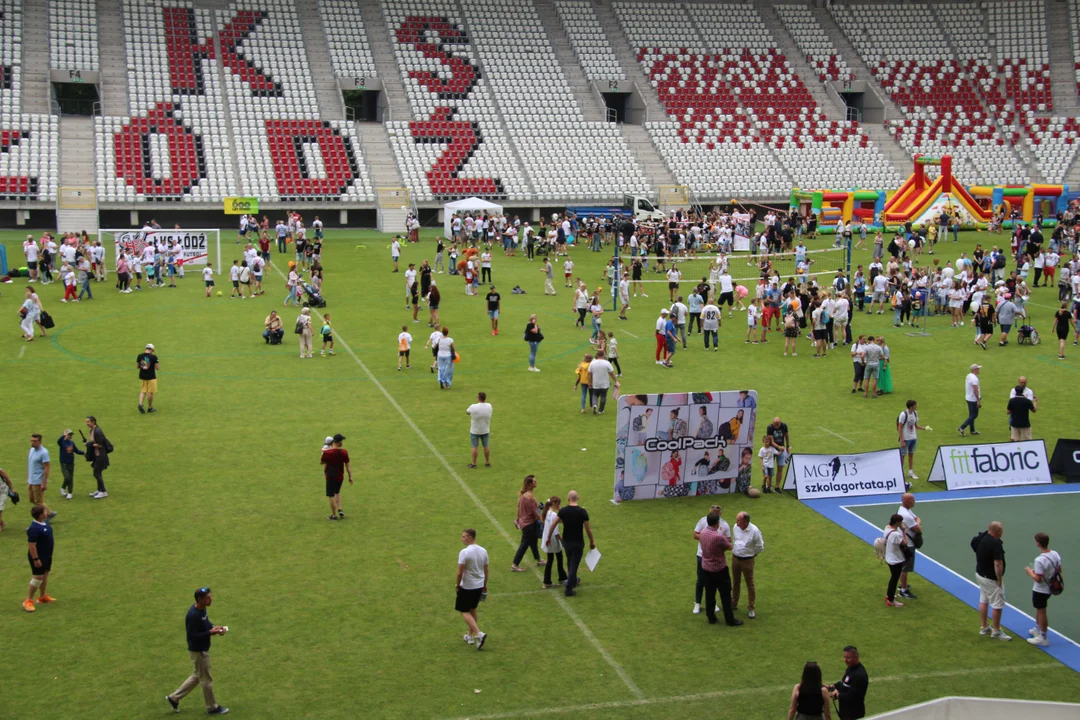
<point x="641" y="208"/>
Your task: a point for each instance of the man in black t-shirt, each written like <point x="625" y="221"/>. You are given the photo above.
<point x="1020" y="409"/>
<point x="199" y="629"/>
<point x="779" y="432"/>
<point x="147" y="363"/>
<point x="574" y="519"/>
<point x="493" y="306"/>
<point x="990" y="577"/>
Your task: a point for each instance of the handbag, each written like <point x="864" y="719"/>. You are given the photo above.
<point x="15" y="501"/>
<point x="917" y="539"/>
<point x="46" y="321"/>
<point x="299" y="328"/>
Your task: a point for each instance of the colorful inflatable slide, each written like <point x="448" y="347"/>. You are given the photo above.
<point x="917" y="195"/>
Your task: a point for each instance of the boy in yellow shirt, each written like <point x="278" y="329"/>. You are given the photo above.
<point x="584" y="380"/>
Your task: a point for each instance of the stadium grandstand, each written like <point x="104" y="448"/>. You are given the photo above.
<point x="112" y="108"/>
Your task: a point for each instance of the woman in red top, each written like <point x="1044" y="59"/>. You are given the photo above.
<point x="528" y="521"/>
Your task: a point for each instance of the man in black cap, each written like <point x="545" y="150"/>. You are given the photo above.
<point x="335" y="461"/>
<point x="199" y="629"/>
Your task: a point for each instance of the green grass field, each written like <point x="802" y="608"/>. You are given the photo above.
<point x="222" y="487"/>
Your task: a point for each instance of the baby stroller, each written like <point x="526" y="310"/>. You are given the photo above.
<point x="314" y="299"/>
<point x="1027" y="334"/>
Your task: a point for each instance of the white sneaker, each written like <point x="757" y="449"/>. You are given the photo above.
<point x="717" y="609"/>
<point x="1039" y="640"/>
<point x="697" y="608"/>
<point x="93" y="493"/>
<point x="985" y="630"/>
<point x="468" y="638"/>
<point x="1033" y="632"/>
<point x="100" y="495"/>
<point x="1001" y="635"/>
<point x="911" y="474"/>
<point x="751" y="614"/>
<point x="69" y="496"/>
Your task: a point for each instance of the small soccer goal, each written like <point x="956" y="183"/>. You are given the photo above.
<point x="198" y="246"/>
<point x="745" y="268"/>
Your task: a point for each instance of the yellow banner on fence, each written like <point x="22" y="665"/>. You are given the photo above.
<point x="241" y="205"/>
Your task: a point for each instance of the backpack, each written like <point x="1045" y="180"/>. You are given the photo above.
<point x="1055" y="582"/>
<point x="976" y="540"/>
<point x="880" y="544"/>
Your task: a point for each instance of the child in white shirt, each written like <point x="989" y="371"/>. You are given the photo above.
<point x="768" y="453"/>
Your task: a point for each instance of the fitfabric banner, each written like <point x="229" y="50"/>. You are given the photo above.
<point x="828" y="476"/>
<point x="680" y="444"/>
<point x="962" y="467"/>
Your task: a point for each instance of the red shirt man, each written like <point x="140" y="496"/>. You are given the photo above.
<point x="335" y="461"/>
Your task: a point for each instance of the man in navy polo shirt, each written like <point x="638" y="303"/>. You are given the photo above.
<point x="199" y="629"/>
<point x="39" y="538"/>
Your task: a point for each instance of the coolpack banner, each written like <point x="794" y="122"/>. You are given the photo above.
<point x="684" y="444"/>
<point x="194" y="243"/>
<point x="829" y="476"/>
<point x="962" y="467"/>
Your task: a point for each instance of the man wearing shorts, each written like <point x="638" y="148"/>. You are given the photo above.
<point x="147" y="362"/>
<point x="494" y="304"/>
<point x="912" y="528"/>
<point x="989" y="576"/>
<point x="471" y="584"/>
<point x="335" y="462"/>
<point x="39" y="538"/>
<point x="907" y="427"/>
<point x="480" y="428"/>
<point x="37" y="470"/>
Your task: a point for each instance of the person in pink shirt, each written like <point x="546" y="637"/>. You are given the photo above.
<point x="123" y="273"/>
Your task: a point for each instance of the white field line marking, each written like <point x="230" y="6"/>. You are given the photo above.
<point x="22" y="351"/>
<point x="1053" y="633"/>
<point x="699" y="697"/>
<point x="627" y="332"/>
<point x="836" y="435"/>
<point x="981" y="497"/>
<point x="554" y="588"/>
<point x="559" y="599"/>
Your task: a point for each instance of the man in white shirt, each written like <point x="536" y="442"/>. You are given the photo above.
<point x="480" y="428"/>
<point x="907" y="427"/>
<point x="472" y="579"/>
<point x="661" y="336"/>
<point x="30" y="249"/>
<point x="727" y="289"/>
<point x="880" y="285"/>
<point x="601" y="371"/>
<point x="973" y="397"/>
<point x="746" y="545"/>
<point x="410" y="280"/>
<point x="912" y="527"/>
<point x="395" y="253"/>
<point x="1047" y="564"/>
<point x="710" y="324"/>
<point x="679" y="313"/>
<point x="725" y="530"/>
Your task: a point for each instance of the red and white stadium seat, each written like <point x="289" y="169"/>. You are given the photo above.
<point x="591" y="46"/>
<point x="29" y="143"/>
<point x="813" y="43"/>
<point x="455" y="146"/>
<point x="346" y="38"/>
<point x="73" y="42"/>
<point x="284" y="149"/>
<point x="593" y="160"/>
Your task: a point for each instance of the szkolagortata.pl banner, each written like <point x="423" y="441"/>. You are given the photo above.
<point x="829" y="476"/>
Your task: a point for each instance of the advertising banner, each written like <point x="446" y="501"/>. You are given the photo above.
<point x="195" y="244"/>
<point x="962" y="467"/>
<point x="829" y="476"/>
<point x="684" y="444"/>
<point x="241" y="205"/>
<point x="1066" y="460"/>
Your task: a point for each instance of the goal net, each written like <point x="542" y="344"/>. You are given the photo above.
<point x="197" y="246"/>
<point x="746" y="269"/>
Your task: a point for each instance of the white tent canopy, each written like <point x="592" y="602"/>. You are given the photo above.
<point x="463" y="206"/>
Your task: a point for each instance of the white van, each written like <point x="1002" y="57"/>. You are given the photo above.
<point x="641" y="208"/>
